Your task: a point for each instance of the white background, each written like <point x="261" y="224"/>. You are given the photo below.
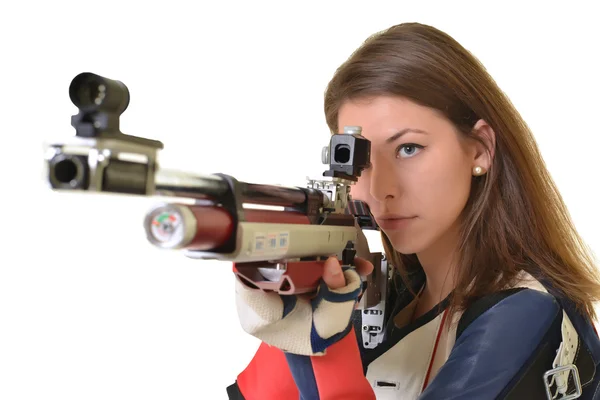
<point x="88" y="309"/>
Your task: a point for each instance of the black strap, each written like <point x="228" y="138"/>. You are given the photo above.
<point x="233" y="391"/>
<point x="480" y="306"/>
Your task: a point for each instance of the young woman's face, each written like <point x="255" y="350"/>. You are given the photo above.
<point x="420" y="174"/>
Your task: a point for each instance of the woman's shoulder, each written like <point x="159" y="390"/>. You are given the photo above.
<point x="525" y="298"/>
<point x="530" y="332"/>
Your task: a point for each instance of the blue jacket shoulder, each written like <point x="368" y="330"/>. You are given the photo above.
<point x="505" y="342"/>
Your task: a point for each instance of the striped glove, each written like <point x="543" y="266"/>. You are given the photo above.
<point x="296" y="324"/>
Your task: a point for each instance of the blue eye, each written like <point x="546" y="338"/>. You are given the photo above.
<point x="408" y="150"/>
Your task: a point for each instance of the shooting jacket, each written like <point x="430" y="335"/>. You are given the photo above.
<point x="521" y="343"/>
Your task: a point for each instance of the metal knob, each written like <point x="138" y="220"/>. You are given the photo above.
<point x="353" y="130"/>
<point x="325" y="155"/>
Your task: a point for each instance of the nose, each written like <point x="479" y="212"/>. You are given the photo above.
<point x="383" y="182"/>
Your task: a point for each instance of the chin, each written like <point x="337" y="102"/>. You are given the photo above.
<point x="406" y="244"/>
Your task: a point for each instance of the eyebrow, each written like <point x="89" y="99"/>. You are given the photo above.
<point x="398" y="134"/>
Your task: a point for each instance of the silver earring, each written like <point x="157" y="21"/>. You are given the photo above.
<point x="477" y="170"/>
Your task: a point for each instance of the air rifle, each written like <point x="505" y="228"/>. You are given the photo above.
<point x="275" y="250"/>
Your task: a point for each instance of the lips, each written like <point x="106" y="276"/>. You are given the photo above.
<point x="394" y="221"/>
<point x="394" y="216"/>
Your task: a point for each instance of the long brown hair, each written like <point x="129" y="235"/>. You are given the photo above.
<point x="515" y="219"/>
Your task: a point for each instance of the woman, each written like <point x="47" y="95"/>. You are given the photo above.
<point x="494" y="287"/>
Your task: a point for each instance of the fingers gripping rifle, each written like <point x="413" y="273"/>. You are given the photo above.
<point x="282" y="251"/>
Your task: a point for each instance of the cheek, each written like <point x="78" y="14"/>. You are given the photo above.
<point x="444" y="189"/>
<point x="436" y="193"/>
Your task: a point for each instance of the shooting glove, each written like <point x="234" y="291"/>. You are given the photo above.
<point x="295" y="324"/>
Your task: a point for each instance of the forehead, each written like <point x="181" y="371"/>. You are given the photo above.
<point x="383" y="116"/>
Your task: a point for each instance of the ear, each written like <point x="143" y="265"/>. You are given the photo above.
<point x="483" y="154"/>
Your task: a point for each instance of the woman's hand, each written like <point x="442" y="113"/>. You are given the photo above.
<point x="332" y="272"/>
<point x="301" y="325"/>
